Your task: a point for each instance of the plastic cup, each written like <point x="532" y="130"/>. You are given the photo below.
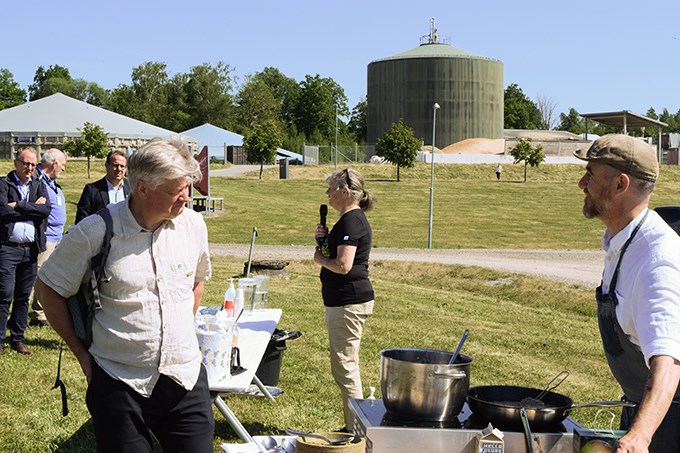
<point x="248" y="285"/>
<point x="261" y="292"/>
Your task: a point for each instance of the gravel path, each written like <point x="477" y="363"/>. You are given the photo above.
<point x="570" y="266"/>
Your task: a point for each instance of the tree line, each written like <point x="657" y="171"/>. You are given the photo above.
<point x="308" y="111"/>
<point x="301" y="112"/>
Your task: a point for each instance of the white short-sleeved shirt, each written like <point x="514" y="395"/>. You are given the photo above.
<point x="648" y="285"/>
<point x="146" y="325"/>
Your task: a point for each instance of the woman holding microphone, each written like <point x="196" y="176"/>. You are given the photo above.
<point x="347" y="292"/>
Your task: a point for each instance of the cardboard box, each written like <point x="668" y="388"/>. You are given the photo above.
<point x="595" y="440"/>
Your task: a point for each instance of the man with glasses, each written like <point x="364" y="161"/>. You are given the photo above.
<point x="112" y="188"/>
<point x="24" y="207"/>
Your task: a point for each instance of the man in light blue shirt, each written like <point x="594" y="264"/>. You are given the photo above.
<point x="24" y="208"/>
<point x="52" y="163"/>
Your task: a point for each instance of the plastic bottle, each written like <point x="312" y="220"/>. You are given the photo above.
<point x="238" y="302"/>
<point x="229" y="296"/>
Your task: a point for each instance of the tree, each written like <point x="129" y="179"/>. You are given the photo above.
<point x="399" y="146"/>
<point x="11" y="93"/>
<point x="321" y="99"/>
<point x="546" y="108"/>
<point x="256" y="103"/>
<point x="286" y="90"/>
<point x="261" y="141"/>
<point x="93" y="142"/>
<point x="571" y="122"/>
<point x="358" y="122"/>
<point x="42" y="75"/>
<point x="208" y="95"/>
<point x="149" y="82"/>
<point x="89" y="92"/>
<point x="520" y="111"/>
<point x="524" y="152"/>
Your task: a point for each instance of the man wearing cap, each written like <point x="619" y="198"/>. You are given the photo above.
<point x="638" y="301"/>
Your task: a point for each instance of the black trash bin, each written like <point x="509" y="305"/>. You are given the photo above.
<point x="671" y="214"/>
<point x="270" y="367"/>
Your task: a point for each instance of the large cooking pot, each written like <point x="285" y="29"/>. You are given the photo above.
<point x="420" y="383"/>
<point x="501" y="405"/>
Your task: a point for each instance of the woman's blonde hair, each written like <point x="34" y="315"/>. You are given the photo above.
<point x="354" y="182"/>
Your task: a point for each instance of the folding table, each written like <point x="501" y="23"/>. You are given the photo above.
<point x="255" y="331"/>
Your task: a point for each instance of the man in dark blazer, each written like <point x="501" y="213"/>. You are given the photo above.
<point x="24" y="207"/>
<point x="112" y="188"/>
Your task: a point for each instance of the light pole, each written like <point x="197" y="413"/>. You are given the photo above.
<point x="434" y="124"/>
<point x="336" y="136"/>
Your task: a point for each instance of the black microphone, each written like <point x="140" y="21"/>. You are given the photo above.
<point x="323" y="211"/>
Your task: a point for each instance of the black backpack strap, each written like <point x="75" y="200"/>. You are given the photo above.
<point x="97" y="264"/>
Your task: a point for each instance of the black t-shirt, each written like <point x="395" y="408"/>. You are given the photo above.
<point x="354" y="287"/>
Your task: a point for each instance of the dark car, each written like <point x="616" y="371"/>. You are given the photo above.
<point x="671" y="214"/>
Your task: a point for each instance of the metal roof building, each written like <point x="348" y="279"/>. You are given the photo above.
<point x="48" y="122"/>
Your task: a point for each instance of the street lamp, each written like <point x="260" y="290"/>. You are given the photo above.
<point x="336" y="136"/>
<point x="434" y="124"/>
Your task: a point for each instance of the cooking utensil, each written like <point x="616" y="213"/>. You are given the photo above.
<point x="340" y="441"/>
<point x="501" y="406"/>
<point x="459" y="347"/>
<point x="250" y="254"/>
<point x="272" y="445"/>
<point x="536" y="402"/>
<point x="420" y="383"/>
<point x="527" y="430"/>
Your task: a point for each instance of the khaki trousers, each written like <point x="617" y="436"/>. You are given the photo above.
<point x="345" y="326"/>
<point x="37" y="313"/>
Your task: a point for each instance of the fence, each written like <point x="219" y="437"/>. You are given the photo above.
<point x="329" y="154"/>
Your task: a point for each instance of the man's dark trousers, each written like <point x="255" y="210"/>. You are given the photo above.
<point x="18" y="270"/>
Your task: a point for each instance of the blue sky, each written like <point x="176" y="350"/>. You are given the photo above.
<point x="592" y="55"/>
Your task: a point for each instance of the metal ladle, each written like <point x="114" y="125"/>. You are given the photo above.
<point x="340" y="441"/>
<point x="459" y="347"/>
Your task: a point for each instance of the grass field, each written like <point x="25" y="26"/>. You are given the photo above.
<point x="523" y="330"/>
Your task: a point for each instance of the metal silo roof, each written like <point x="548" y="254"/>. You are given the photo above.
<point x="434" y="50"/>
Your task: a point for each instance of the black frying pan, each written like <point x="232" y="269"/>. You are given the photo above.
<point x="501" y="404"/>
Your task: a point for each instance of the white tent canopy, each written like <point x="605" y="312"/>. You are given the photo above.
<point x="217" y="139"/>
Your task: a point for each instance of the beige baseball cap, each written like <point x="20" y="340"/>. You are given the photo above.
<point x="629" y="154"/>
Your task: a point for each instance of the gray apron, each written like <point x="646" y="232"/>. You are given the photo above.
<point x="628" y="364"/>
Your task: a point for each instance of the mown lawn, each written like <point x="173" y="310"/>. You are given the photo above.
<point x="523" y="330"/>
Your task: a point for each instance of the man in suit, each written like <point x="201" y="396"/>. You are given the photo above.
<point x="112" y="188"/>
<point x="24" y="207"/>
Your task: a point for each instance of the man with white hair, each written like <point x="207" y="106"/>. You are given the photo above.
<point x="52" y="164"/>
<point x="143" y="368"/>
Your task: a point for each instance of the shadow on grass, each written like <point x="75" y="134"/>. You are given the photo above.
<point x="81" y="440"/>
<point x="223" y="430"/>
<point x="44" y="343"/>
<point x="84" y="440"/>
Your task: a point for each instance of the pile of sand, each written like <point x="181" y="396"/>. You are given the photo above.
<point x="477" y="146"/>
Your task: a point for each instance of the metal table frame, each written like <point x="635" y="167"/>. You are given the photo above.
<point x="255" y="331"/>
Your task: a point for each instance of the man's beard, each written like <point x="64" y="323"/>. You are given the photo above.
<point x="593" y="208"/>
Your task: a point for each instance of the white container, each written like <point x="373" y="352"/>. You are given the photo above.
<point x="238" y="302"/>
<point x="215" y="342"/>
